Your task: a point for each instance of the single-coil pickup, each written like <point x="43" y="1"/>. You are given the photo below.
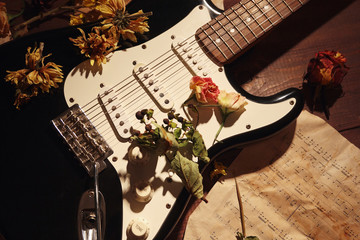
<point x="153" y="87"/>
<point x="115" y="114"/>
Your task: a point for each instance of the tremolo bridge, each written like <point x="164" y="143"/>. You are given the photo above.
<point x="91" y="150"/>
<point x="82" y="138"/>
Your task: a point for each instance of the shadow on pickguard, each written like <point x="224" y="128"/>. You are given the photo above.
<point x="146" y="173"/>
<point x="86" y="69"/>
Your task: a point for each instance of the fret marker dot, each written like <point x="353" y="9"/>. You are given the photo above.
<point x="217" y="40"/>
<point x="248" y="19"/>
<point x="232" y="30"/>
<point x="266" y="7"/>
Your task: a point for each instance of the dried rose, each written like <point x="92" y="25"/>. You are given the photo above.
<point x="231" y="102"/>
<point x="206" y="91"/>
<point x="327" y="68"/>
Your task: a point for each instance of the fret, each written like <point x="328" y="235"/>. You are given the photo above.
<point x="275" y="9"/>
<point x="255" y="12"/>
<point x="261" y="16"/>
<point x="229" y="34"/>
<point x="227" y="31"/>
<point x="222" y="44"/>
<point x="288" y="6"/>
<point x="210" y="44"/>
<point x="236" y="22"/>
<point x="295" y="5"/>
<point x="244" y="24"/>
<point x="241" y="40"/>
<point x="283" y="8"/>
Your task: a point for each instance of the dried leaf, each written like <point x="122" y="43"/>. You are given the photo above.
<point x="189" y="173"/>
<point x="199" y="149"/>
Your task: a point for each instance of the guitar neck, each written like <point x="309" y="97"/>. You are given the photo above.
<point x="228" y="35"/>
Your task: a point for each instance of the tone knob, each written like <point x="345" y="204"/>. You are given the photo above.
<point x="138" y="229"/>
<point x="138" y="155"/>
<point x="143" y="191"/>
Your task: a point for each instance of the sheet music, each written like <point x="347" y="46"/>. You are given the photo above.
<point x="308" y="189"/>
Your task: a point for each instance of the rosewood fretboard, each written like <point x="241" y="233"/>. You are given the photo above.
<point x="229" y="34"/>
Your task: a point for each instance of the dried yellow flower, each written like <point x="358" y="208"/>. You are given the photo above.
<point x="96" y="46"/>
<point x="35" y="76"/>
<point x="118" y="21"/>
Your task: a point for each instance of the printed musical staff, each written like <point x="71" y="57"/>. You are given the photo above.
<point x="310" y="192"/>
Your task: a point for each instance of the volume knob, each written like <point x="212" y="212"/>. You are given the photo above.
<point x="138" y="155"/>
<point x="138" y="229"/>
<point x="143" y="191"/>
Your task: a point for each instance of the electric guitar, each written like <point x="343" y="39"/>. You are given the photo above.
<point x="140" y="197"/>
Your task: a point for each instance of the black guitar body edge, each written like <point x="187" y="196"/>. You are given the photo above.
<point x="40" y="180"/>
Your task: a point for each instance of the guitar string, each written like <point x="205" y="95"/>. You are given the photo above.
<point x="173" y="56"/>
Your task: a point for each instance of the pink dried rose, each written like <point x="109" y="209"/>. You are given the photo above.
<point x="206" y="91"/>
<point x="327" y="68"/>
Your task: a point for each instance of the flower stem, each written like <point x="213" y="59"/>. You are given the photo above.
<point x="54" y="11"/>
<point x="220" y="128"/>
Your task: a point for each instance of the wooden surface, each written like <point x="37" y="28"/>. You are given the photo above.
<point x="280" y="61"/>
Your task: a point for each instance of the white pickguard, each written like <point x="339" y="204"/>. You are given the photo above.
<point x="122" y="89"/>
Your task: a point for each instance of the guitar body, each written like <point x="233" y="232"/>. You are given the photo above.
<point x="41" y="181"/>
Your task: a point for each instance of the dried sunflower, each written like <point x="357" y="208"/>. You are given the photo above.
<point x="96" y="46"/>
<point x="35" y="76"/>
<point x="119" y="21"/>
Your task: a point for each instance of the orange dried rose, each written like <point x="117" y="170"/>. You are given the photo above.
<point x="206" y="91"/>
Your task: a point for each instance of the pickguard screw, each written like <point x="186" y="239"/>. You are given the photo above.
<point x="114" y="159"/>
<point x="143" y="46"/>
<point x="292" y="102"/>
<point x="248" y="126"/>
<point x="71" y="100"/>
<point x="168" y="205"/>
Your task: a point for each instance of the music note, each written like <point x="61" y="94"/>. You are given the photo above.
<point x="310" y="192"/>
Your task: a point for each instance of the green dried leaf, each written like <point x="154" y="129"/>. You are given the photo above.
<point x="188" y="171"/>
<point x="149" y="113"/>
<point x="173" y="124"/>
<point x="177" y="133"/>
<point x="199" y="149"/>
